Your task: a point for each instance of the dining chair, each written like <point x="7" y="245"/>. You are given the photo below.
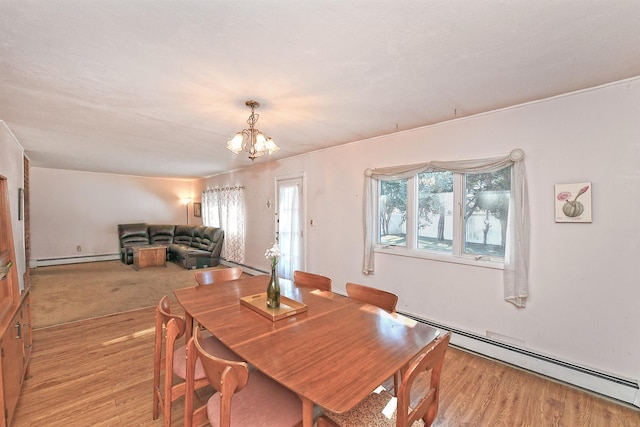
<point x="208" y="277"/>
<point x="310" y="280"/>
<point x="261" y="401"/>
<point x="383" y="299"/>
<point x="169" y="328"/>
<point x="421" y="382"/>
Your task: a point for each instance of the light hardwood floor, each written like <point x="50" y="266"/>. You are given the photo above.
<point x="99" y="373"/>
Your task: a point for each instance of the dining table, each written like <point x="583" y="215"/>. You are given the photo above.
<point x="332" y="354"/>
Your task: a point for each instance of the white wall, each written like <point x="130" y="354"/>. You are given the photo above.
<point x="584" y="292"/>
<point x="70" y="209"/>
<point x="12" y="167"/>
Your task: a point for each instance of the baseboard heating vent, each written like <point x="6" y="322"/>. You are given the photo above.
<point x="42" y="262"/>
<point x="622" y="389"/>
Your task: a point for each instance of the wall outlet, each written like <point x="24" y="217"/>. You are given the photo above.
<point x="79" y="248"/>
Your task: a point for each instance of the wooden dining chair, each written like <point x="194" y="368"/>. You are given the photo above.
<point x="421" y="382"/>
<point x="170" y="328"/>
<point x="310" y="280"/>
<point x="208" y="277"/>
<point x="383" y="299"/>
<point x="262" y="401"/>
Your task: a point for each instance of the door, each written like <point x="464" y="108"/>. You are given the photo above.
<point x="290" y="225"/>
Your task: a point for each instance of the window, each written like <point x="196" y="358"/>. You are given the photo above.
<point x="435" y="212"/>
<point x="392" y="212"/>
<point x="477" y="229"/>
<point x="476" y="211"/>
<point x="486" y="213"/>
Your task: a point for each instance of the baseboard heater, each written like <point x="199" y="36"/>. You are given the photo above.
<point x="42" y="262"/>
<point x="621" y="389"/>
<point x="245" y="268"/>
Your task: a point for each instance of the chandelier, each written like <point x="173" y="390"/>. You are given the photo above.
<point x="252" y="140"/>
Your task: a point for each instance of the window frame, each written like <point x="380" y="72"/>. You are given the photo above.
<point x="457" y="255"/>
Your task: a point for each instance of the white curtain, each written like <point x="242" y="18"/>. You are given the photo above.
<point x="224" y="208"/>
<point x="288" y="230"/>
<point x="516" y="259"/>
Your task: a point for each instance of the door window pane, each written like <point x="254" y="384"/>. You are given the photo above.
<point x="393" y="213"/>
<point x="435" y="211"/>
<point x="486" y="212"/>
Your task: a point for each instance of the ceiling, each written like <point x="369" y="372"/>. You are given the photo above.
<point x="156" y="88"/>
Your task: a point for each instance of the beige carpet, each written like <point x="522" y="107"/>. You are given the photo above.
<point x="66" y="293"/>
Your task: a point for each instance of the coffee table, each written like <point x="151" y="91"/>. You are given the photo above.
<point x="149" y="256"/>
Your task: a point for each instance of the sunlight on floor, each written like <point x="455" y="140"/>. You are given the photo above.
<point x="130" y="336"/>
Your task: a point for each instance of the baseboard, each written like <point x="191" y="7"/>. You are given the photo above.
<point x="245" y="268"/>
<point x="43" y="262"/>
<point x="621" y="389"/>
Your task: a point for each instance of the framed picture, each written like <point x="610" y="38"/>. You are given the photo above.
<point x="573" y="202"/>
<point x="197" y="209"/>
<point x="20" y="203"/>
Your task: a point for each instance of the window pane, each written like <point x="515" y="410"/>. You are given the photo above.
<point x="435" y="211"/>
<point x="486" y="213"/>
<point x="393" y="212"/>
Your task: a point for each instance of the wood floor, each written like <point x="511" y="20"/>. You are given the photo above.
<point x="99" y="373"/>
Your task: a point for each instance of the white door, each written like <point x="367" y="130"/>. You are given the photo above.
<point x="290" y="225"/>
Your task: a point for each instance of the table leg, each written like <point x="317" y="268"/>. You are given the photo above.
<point x="188" y="325"/>
<point x="307" y="412"/>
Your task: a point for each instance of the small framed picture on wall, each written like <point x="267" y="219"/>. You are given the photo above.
<point x="573" y="202"/>
<point x="197" y="209"/>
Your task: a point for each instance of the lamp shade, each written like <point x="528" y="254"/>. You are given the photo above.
<point x="235" y="143"/>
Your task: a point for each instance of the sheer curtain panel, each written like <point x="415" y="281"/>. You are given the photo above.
<point x="224" y="208"/>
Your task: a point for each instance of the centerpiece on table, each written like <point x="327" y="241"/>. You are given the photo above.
<point x="273" y="290"/>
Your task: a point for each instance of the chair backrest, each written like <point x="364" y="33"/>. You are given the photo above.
<point x="383" y="299"/>
<point x="208" y="277"/>
<point x="163" y="316"/>
<point x="429" y="361"/>
<point x="310" y="280"/>
<point x="175" y="328"/>
<point x="225" y="376"/>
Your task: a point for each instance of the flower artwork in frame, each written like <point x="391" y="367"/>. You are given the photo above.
<point x="197" y="209"/>
<point x="573" y="202"/>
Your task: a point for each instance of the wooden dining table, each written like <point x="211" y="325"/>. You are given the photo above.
<point x="334" y="354"/>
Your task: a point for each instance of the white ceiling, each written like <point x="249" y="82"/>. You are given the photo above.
<point x="156" y="88"/>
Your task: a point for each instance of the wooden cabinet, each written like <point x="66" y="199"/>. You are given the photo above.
<point x="15" y="346"/>
<point x="15" y="317"/>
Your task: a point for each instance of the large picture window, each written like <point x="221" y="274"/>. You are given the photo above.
<point x="478" y="229"/>
<point x="475" y="211"/>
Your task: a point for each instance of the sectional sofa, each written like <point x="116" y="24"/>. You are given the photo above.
<point x="191" y="246"/>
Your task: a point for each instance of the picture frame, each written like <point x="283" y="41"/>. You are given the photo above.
<point x="197" y="209"/>
<point x="573" y="202"/>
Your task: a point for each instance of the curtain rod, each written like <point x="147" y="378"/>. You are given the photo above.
<point x="237" y="187"/>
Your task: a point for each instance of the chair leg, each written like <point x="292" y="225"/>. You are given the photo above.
<point x="396" y="383"/>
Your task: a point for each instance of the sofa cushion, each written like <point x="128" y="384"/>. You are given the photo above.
<point x="200" y="239"/>
<point x="183" y="234"/>
<point x="179" y="251"/>
<point x="161" y="234"/>
<point x="132" y="234"/>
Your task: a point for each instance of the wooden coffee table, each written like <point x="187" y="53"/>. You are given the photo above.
<point x="149" y="256"/>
